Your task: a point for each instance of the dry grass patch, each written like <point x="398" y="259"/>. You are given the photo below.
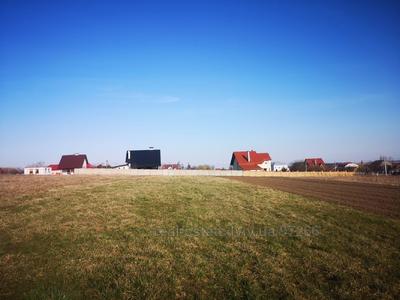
<point x="162" y="237"/>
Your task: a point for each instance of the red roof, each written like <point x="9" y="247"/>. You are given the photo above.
<point x="249" y="163"/>
<point x="54" y="167"/>
<point x="74" y="161"/>
<point x="314" y="162"/>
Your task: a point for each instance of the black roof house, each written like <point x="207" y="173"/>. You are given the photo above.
<point x="143" y="159"/>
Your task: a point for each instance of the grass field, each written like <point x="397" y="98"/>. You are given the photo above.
<point x="173" y="237"/>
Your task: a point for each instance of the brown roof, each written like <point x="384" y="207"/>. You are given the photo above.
<point x="74" y="161"/>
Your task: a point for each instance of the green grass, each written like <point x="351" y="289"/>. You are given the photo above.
<point x="118" y="238"/>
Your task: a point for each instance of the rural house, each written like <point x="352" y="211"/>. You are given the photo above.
<point x="314" y="164"/>
<point x="250" y="160"/>
<point x="143" y="159"/>
<point x="69" y="163"/>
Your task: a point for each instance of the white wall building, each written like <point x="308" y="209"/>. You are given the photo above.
<point x="281" y="167"/>
<point x="37" y="171"/>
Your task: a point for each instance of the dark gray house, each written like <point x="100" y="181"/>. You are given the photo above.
<point x="143" y="159"/>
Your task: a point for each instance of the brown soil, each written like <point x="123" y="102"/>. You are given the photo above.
<point x="376" y="198"/>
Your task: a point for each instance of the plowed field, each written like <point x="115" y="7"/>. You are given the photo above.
<point x="376" y="198"/>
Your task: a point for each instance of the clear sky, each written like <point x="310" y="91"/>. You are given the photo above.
<point x="199" y="79"/>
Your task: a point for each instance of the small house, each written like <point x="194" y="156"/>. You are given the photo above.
<point x="250" y="160"/>
<point x="69" y="163"/>
<point x="314" y="164"/>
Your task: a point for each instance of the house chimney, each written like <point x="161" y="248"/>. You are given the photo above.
<point x="248" y="156"/>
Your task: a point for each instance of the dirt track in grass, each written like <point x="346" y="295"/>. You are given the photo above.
<point x="376" y="198"/>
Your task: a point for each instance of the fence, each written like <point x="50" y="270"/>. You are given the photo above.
<point x="140" y="172"/>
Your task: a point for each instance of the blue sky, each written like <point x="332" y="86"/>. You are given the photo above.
<point x="199" y="80"/>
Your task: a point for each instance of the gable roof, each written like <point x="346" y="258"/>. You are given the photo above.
<point x="249" y="160"/>
<point x="314" y="161"/>
<point x="74" y="161"/>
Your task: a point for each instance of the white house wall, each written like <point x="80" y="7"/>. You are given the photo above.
<point x="266" y="165"/>
<point x="37" y="171"/>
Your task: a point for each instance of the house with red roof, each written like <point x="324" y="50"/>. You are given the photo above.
<point x="250" y="160"/>
<point x="69" y="163"/>
<point x="314" y="164"/>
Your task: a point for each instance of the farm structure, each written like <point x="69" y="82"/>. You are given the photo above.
<point x="143" y="159"/>
<point x="37" y="171"/>
<point x="250" y="161"/>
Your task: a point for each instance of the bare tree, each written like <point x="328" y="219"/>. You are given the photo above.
<point x="37" y="164"/>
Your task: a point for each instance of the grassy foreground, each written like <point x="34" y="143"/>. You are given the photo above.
<point x="187" y="238"/>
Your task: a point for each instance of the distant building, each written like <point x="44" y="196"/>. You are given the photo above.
<point x="314" y="164"/>
<point x="350" y="167"/>
<point x="37" y="171"/>
<point x="171" y="167"/>
<point x="250" y="160"/>
<point x="280" y="168"/>
<point x="69" y="163"/>
<point x="143" y="159"/>
<point x="341" y="166"/>
<point x="380" y="166"/>
<point x="395" y="168"/>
